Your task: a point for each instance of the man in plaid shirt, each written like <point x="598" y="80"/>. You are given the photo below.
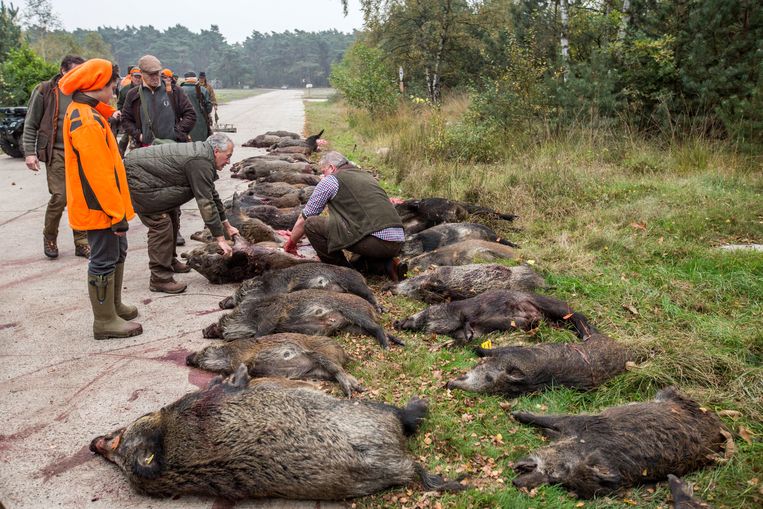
<point x="361" y="218"/>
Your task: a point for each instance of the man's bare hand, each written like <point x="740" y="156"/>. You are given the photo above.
<point x="116" y="115"/>
<point x="232" y="230"/>
<point x="290" y="247"/>
<point x="32" y="163"/>
<point x="227" y="250"/>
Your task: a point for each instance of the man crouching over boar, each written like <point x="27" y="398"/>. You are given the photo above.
<point x="97" y="193"/>
<point x="163" y="177"/>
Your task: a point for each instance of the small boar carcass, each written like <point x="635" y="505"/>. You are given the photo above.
<point x="306" y="312"/>
<point x="462" y="253"/>
<point x="418" y="215"/>
<point x="254" y="168"/>
<point x="446" y="234"/>
<point x="515" y="370"/>
<point x="279" y="219"/>
<point x="287" y="355"/>
<point x="310" y="143"/>
<point x="303" y="277"/>
<point x="294" y="197"/>
<point x="269" y="438"/>
<point x="595" y="455"/>
<point x="495" y="310"/>
<point x="291" y="177"/>
<point x="441" y="284"/>
<point x="251" y="229"/>
<point x="247" y="261"/>
<point x="284" y="134"/>
<point x="262" y="141"/>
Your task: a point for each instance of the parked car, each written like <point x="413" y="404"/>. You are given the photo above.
<point x="11" y="129"/>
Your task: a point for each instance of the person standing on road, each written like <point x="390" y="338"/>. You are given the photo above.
<point x="43" y="141"/>
<point x="361" y="218"/>
<point x="211" y="91"/>
<point x="135" y="80"/>
<point x="97" y="193"/>
<point x="202" y="105"/>
<point x="161" y="179"/>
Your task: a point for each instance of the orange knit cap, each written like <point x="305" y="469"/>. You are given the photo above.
<point x="94" y="74"/>
<point x="167" y="73"/>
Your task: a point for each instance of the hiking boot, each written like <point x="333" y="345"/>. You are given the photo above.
<point x="395" y="269"/>
<point x="106" y="322"/>
<point x="179" y="241"/>
<point x="179" y="267"/>
<point x="166" y="286"/>
<point x="82" y="250"/>
<point x="125" y="311"/>
<point x="50" y="248"/>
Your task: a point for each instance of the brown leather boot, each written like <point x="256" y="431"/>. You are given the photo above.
<point x="166" y="285"/>
<point x="82" y="250"/>
<point x="179" y="267"/>
<point x="106" y="322"/>
<point x="50" y="247"/>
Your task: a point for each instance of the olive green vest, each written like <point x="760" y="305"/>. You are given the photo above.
<point x="359" y="208"/>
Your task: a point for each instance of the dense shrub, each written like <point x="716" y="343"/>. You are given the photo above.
<point x="365" y="80"/>
<point x="19" y="74"/>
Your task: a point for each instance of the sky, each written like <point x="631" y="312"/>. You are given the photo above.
<point x="236" y="18"/>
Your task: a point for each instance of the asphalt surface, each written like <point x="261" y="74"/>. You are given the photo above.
<point x="59" y="388"/>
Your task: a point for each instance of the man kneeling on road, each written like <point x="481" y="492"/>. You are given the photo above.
<point x="361" y="218"/>
<point x="163" y="177"/>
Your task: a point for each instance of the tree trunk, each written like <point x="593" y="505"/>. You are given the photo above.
<point x="625" y="21"/>
<point x="434" y="92"/>
<point x="565" y="41"/>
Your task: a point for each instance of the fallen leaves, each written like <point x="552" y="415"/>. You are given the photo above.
<point x="746" y="435"/>
<point x="631" y="309"/>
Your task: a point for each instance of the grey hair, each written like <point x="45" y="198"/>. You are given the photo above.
<point x="333" y="158"/>
<point x="220" y="141"/>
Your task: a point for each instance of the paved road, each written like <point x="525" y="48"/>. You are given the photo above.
<point x="59" y="388"/>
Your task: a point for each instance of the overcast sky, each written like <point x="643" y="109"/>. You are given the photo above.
<point x="236" y="18"/>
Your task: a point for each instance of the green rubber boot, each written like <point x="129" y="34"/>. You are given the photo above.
<point x="106" y="323"/>
<point x="125" y="311"/>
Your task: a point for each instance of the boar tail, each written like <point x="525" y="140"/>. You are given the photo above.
<point x="413" y="415"/>
<point x="434" y="482"/>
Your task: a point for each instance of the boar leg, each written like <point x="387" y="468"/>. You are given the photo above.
<point x="433" y="482"/>
<point x="556" y="311"/>
<point x="374" y="329"/>
<point x="551" y="425"/>
<point x="347" y="382"/>
<point x="228" y="303"/>
<point x="212" y="331"/>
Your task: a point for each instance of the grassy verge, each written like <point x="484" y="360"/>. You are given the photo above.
<point x="226" y="95"/>
<point x="625" y="230"/>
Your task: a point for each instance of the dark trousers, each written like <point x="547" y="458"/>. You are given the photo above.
<point x="162" y="234"/>
<point x="106" y="251"/>
<point x="57" y="188"/>
<point x="316" y="229"/>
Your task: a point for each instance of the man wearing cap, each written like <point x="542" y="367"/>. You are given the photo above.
<point x="97" y="193"/>
<point x="161" y="179"/>
<point x="211" y="91"/>
<point x="166" y="115"/>
<point x="43" y="141"/>
<point x="202" y="105"/>
<point x="361" y="218"/>
<point x="135" y="80"/>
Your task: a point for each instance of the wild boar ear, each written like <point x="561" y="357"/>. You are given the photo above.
<point x="514" y="374"/>
<point x="149" y="455"/>
<point x="601" y="472"/>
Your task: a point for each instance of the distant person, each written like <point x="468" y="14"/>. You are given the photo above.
<point x="361" y="218"/>
<point x="202" y="104"/>
<point x="135" y="80"/>
<point x="43" y="141"/>
<point x="212" y="97"/>
<point x="97" y="192"/>
<point x="164" y="177"/>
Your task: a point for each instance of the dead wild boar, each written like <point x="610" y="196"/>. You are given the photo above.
<point x="286" y="355"/>
<point x="284" y="134"/>
<point x="446" y="234"/>
<point x="441" y="284"/>
<point x="269" y="438"/>
<point x="683" y="495"/>
<point x="306" y="312"/>
<point x="293" y="197"/>
<point x="247" y="261"/>
<point x="279" y="219"/>
<point x="594" y="455"/>
<point x="277" y="189"/>
<point x="291" y="177"/>
<point x="310" y="143"/>
<point x="255" y="168"/>
<point x="262" y="141"/>
<point x="251" y="229"/>
<point x="462" y="253"/>
<point x="515" y="370"/>
<point x="418" y="215"/>
<point x="303" y="277"/>
<point x="495" y="310"/>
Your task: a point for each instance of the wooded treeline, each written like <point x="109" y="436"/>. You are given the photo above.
<point x="672" y="65"/>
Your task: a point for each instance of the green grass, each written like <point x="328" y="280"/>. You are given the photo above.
<point x="226" y="95"/>
<point x="611" y="221"/>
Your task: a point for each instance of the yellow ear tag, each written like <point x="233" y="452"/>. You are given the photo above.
<point x="487" y="345"/>
<point x="149" y="459"/>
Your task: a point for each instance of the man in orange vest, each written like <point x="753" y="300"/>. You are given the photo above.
<point x="97" y="194"/>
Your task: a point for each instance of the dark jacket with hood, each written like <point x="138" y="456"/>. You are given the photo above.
<point x="132" y="113"/>
<point x="163" y="177"/>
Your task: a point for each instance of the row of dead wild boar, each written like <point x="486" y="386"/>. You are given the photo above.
<point x="258" y="430"/>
